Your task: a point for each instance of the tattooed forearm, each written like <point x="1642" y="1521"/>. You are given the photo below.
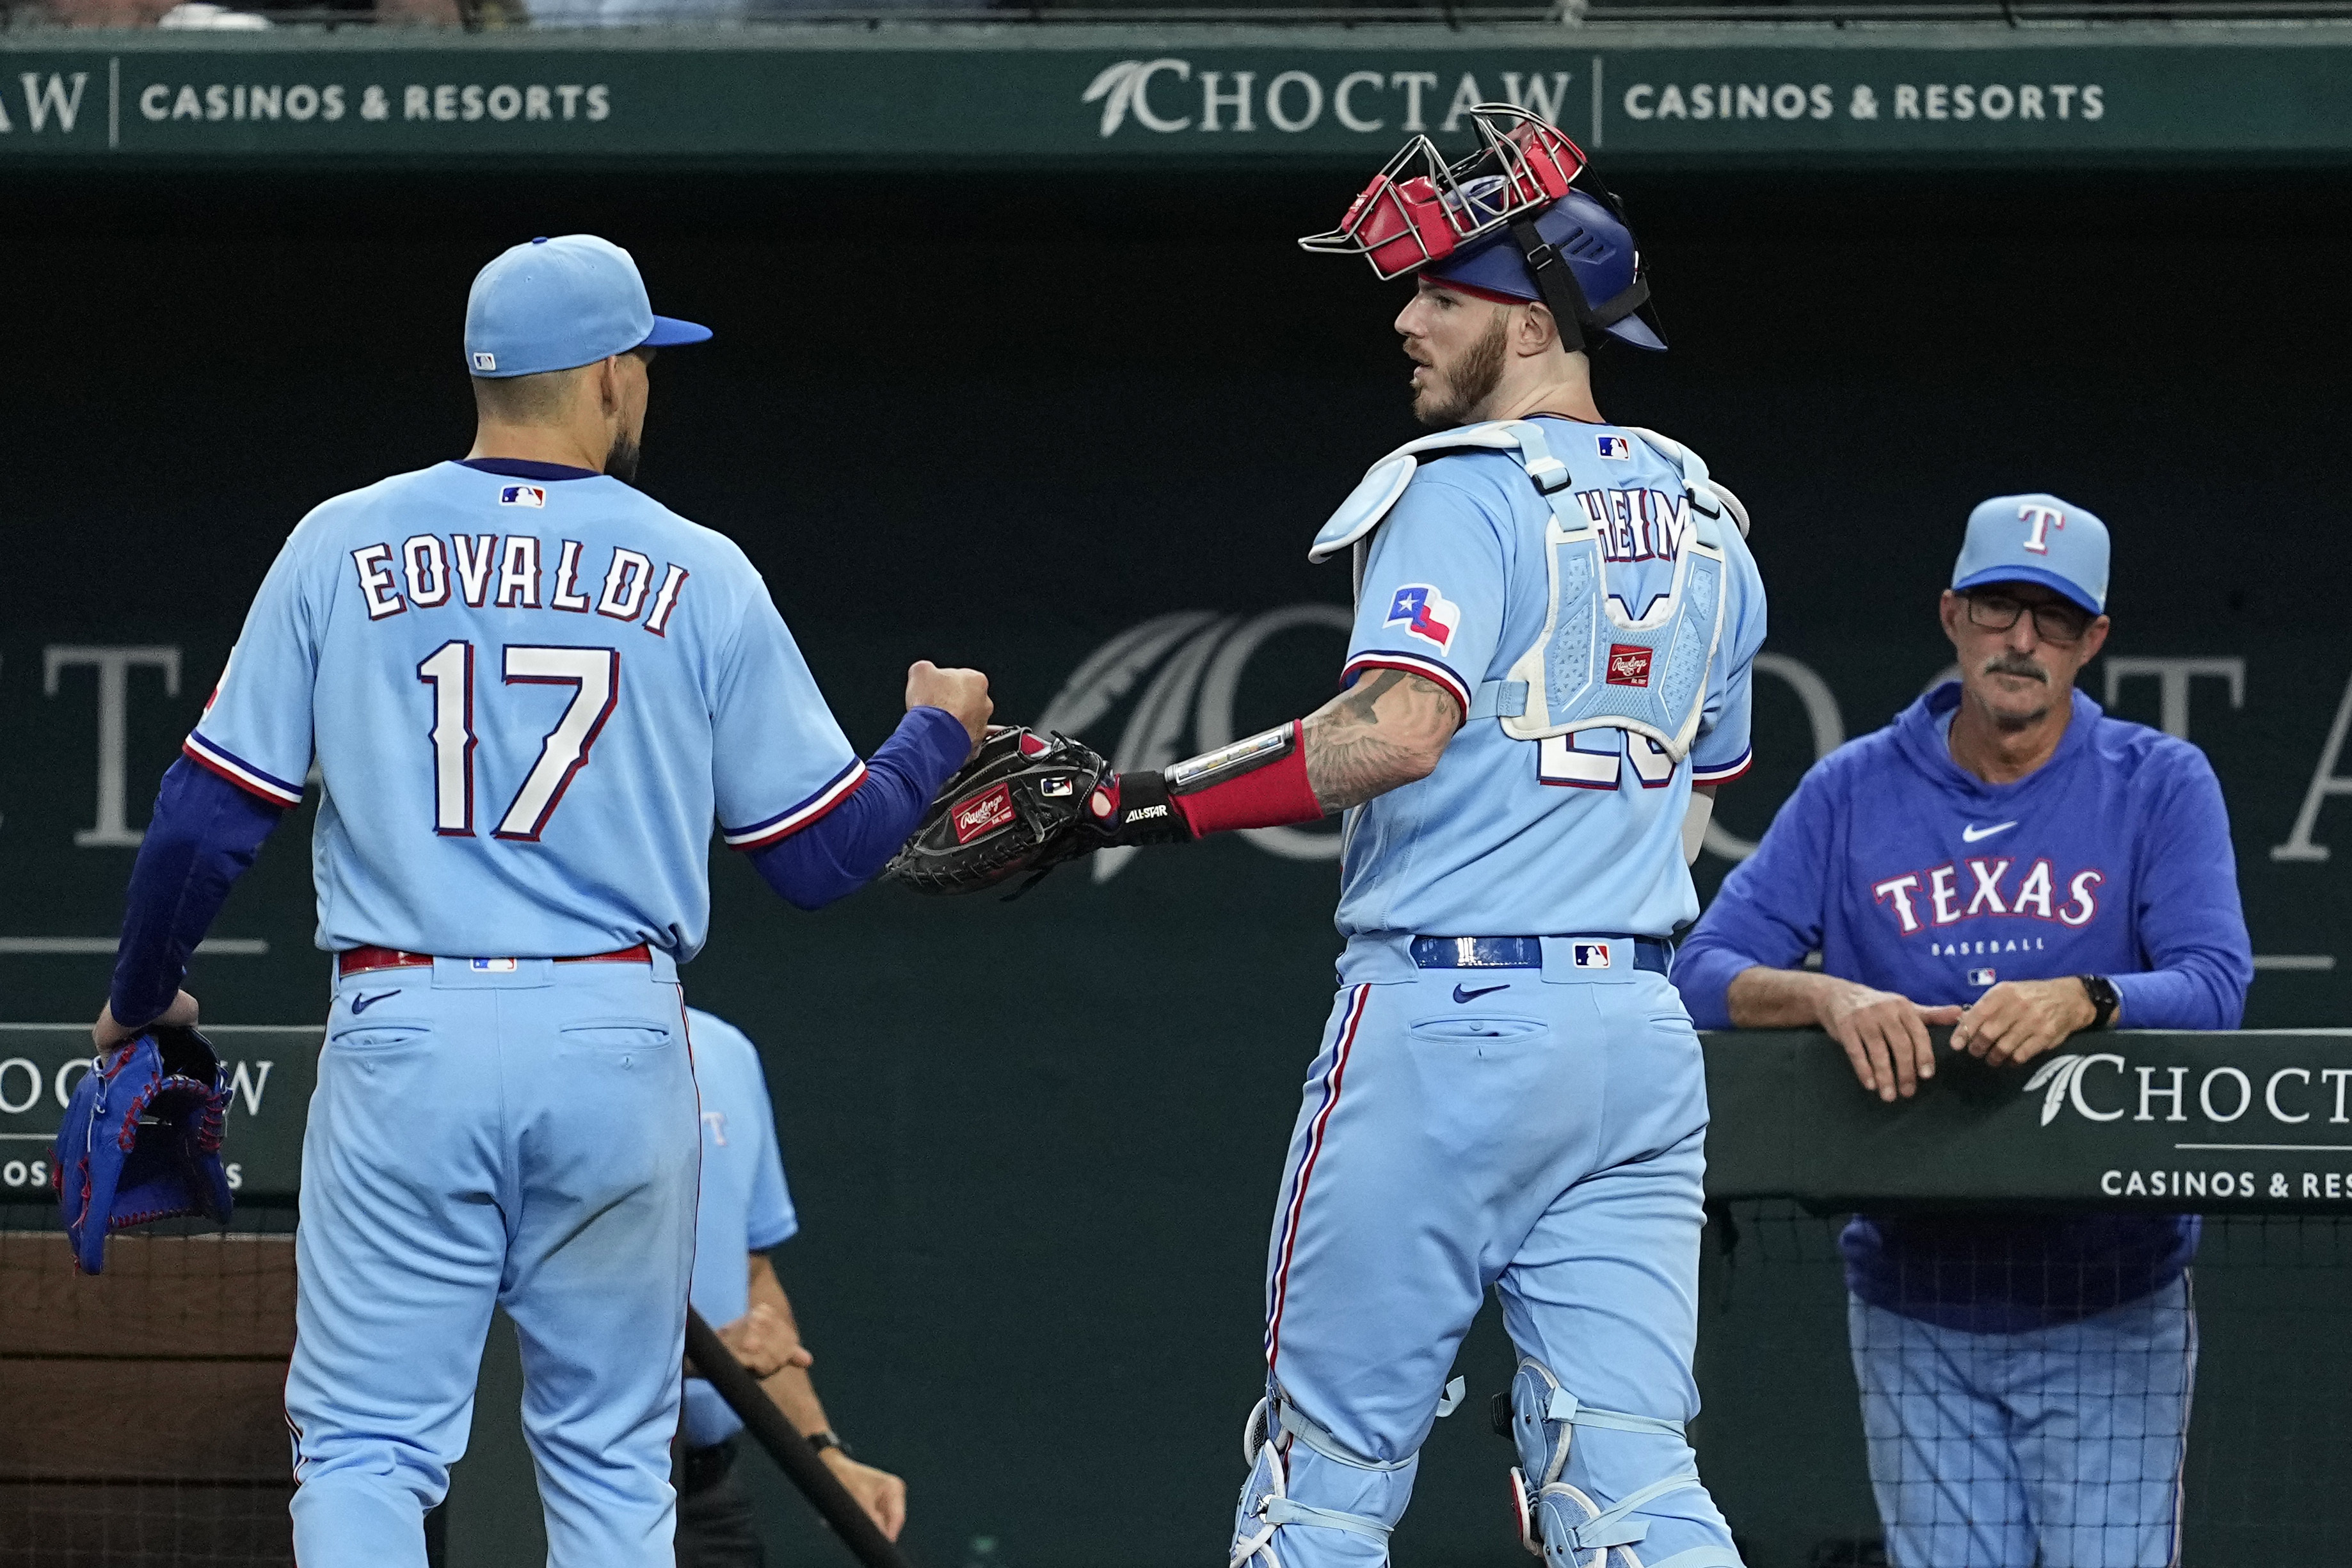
<point x="1387" y="730"/>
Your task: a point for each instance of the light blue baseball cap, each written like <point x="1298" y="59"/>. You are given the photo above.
<point x="556" y="303"/>
<point x="2038" y="539"/>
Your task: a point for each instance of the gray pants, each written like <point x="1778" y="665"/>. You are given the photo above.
<point x="2061" y="1445"/>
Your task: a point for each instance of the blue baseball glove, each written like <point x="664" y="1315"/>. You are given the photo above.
<point x="142" y="1141"/>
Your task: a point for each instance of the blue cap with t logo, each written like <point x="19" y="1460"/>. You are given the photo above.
<point x="556" y="303"/>
<point x="2036" y="539"/>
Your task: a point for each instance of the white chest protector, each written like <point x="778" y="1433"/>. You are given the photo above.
<point x="1592" y="668"/>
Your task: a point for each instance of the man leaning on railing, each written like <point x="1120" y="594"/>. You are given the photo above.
<point x="2005" y="859"/>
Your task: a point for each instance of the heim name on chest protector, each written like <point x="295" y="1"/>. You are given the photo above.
<point x="1647" y="674"/>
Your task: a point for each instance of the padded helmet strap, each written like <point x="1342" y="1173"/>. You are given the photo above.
<point x="1562" y="296"/>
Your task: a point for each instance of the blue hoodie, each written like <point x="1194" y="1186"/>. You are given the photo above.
<point x="1912" y="875"/>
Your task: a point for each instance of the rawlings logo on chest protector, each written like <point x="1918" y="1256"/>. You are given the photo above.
<point x="1628" y="665"/>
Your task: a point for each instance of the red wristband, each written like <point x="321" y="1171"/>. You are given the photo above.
<point x="1275" y="795"/>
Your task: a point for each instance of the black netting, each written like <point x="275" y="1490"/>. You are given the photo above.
<point x="145" y="1426"/>
<point x="2008" y="1388"/>
<point x="145" y="1423"/>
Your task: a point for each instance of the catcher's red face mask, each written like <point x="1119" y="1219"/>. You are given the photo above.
<point x="1419" y="208"/>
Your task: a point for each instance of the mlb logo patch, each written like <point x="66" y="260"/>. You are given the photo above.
<point x="983" y="813"/>
<point x="1588" y="954"/>
<point x="1616" y="447"/>
<point x="1981" y="977"/>
<point x="484" y="360"/>
<point x="1628" y="665"/>
<point x="523" y="495"/>
<point x="1424" y="613"/>
<point x="1057" y="788"/>
<point x="494" y="966"/>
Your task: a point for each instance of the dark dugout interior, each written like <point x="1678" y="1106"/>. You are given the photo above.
<point x="998" y="419"/>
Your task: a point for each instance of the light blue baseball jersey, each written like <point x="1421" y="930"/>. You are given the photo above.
<point x="1577" y="834"/>
<point x="744" y="1207"/>
<point x="527" y="696"/>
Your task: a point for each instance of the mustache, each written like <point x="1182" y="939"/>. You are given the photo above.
<point x="2016" y="664"/>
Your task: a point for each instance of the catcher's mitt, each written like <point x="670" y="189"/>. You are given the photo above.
<point x="1025" y="803"/>
<point x="141" y="1140"/>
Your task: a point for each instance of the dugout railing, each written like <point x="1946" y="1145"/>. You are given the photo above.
<point x="2252" y="1131"/>
<point x="183" y="1342"/>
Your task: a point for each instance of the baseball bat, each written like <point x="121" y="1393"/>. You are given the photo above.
<point x="791" y="1451"/>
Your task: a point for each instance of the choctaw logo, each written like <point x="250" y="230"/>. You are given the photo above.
<point x="2063" y="1077"/>
<point x="1194" y="659"/>
<point x="1166" y="96"/>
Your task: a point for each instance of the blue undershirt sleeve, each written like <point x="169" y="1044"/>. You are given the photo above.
<point x="1769" y="912"/>
<point x="2193" y="928"/>
<point x="843" y="850"/>
<point x="204" y="836"/>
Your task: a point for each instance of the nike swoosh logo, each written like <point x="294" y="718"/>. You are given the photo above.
<point x="361" y="1003"/>
<point x="1462" y="995"/>
<point x="1971" y="834"/>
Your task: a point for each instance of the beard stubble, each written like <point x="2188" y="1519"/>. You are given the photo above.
<point x="1470" y="383"/>
<point x="621" y="462"/>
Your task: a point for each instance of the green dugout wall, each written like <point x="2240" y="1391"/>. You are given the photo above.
<point x="1109" y="98"/>
<point x="2135" y="1119"/>
<point x="1003" y="401"/>
<point x="2247" y="1128"/>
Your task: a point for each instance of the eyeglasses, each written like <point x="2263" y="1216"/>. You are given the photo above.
<point x="2060" y="624"/>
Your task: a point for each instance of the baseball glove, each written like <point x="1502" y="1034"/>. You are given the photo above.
<point x="1023" y="804"/>
<point x="142" y="1141"/>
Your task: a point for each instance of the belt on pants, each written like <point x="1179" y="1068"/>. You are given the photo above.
<point x="364" y="960"/>
<point x="1650" y="953"/>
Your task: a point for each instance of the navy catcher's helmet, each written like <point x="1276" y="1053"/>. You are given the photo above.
<point x="1522" y="218"/>
<point x="1600" y="256"/>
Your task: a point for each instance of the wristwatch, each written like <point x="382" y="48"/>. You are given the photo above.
<point x="2104" y="998"/>
<point x="829" y="1438"/>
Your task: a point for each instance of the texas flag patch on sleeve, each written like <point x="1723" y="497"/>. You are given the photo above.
<point x="1426" y="613"/>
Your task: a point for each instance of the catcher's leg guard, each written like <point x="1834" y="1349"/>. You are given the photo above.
<point x="1560" y="1522"/>
<point x="1310" y="1501"/>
